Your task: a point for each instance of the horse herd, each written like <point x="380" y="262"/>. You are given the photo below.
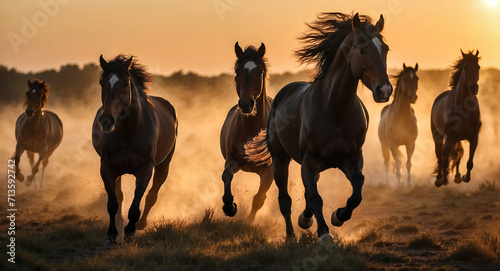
<point x="320" y="124"/>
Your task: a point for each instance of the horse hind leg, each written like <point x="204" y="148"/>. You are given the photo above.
<point x="17" y="159"/>
<point x="386" y="153"/>
<point x="141" y="184"/>
<point x="459" y="152"/>
<point x="266" y="179"/>
<point x="160" y="175"/>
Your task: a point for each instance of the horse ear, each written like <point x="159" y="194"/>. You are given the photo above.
<point x="238" y="50"/>
<point x="356" y="23"/>
<point x="128" y="63"/>
<point x="102" y="62"/>
<point x="416" y="66"/>
<point x="380" y="24"/>
<point x="404" y="66"/>
<point x="477" y="53"/>
<point x="30" y="84"/>
<point x="262" y="49"/>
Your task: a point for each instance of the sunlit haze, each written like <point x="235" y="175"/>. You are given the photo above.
<point x="198" y="35"/>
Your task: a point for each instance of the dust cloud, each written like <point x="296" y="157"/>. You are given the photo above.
<point x="194" y="182"/>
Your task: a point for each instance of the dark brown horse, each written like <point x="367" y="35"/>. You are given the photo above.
<point x="244" y="122"/>
<point x="455" y="116"/>
<point x="37" y="131"/>
<point x="398" y="124"/>
<point x="133" y="133"/>
<point x="323" y="124"/>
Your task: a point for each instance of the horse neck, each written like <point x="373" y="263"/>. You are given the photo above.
<point x="460" y="92"/>
<point x="339" y="86"/>
<point x="137" y="104"/>
<point x="401" y="101"/>
<point x="261" y="103"/>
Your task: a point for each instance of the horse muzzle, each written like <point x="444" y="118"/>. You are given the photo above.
<point x="246" y="107"/>
<point x="30" y="112"/>
<point x="107" y="123"/>
<point x="382" y="93"/>
<point x="474" y="89"/>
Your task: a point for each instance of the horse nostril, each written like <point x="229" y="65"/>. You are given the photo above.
<point x="29" y="112"/>
<point x="107" y="123"/>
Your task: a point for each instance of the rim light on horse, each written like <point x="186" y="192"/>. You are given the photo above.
<point x="455" y="116"/>
<point x="37" y="131"/>
<point x="244" y="122"/>
<point x="398" y="123"/>
<point x="133" y="133"/>
<point x="323" y="124"/>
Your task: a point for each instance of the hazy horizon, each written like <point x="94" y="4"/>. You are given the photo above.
<point x="199" y="36"/>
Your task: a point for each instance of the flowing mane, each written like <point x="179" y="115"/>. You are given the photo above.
<point x="324" y="39"/>
<point x="252" y="54"/>
<point x="138" y="72"/>
<point x="397" y="78"/>
<point x="458" y="67"/>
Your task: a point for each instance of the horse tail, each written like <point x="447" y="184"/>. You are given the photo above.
<point x="256" y="149"/>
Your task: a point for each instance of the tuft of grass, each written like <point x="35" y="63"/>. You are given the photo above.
<point x="424" y="241"/>
<point x="467" y="223"/>
<point x="371" y="236"/>
<point x="471" y="251"/>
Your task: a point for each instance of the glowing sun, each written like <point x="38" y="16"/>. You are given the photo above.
<point x="491" y="3"/>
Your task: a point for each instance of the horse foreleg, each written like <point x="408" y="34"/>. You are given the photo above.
<point x="231" y="167"/>
<point x="17" y="160"/>
<point x="280" y="170"/>
<point x="470" y="163"/>
<point x="142" y="180"/>
<point x="309" y="172"/>
<point x="44" y="165"/>
<point x="387" y="158"/>
<point x="353" y="172"/>
<point x="36" y="167"/>
<point x="438" y="149"/>
<point x="109" y="177"/>
<point x="119" y="198"/>
<point x="410" y="148"/>
<point x="266" y="179"/>
<point x="161" y="173"/>
<point x="445" y="163"/>
<point x="397" y="161"/>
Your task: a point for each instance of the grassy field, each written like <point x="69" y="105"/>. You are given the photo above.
<point x="422" y="228"/>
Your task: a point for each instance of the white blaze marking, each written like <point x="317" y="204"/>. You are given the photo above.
<point x="250" y="65"/>
<point x="378" y="44"/>
<point x="411" y="75"/>
<point x="33" y="91"/>
<point x="113" y="79"/>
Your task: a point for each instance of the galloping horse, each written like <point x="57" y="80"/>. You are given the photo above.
<point x="455" y="116"/>
<point x="398" y="124"/>
<point x="37" y="130"/>
<point x="244" y="122"/>
<point x="323" y="124"/>
<point x="132" y="133"/>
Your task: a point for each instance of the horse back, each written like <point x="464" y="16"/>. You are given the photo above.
<point x="167" y="127"/>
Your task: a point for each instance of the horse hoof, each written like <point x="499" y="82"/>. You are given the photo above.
<point x="438" y="183"/>
<point x="326" y="240"/>
<point x="231" y="212"/>
<point x="335" y="220"/>
<point x="458" y="179"/>
<point x="305" y="222"/>
<point x="20" y="177"/>
<point x="465" y="179"/>
<point x="141" y="225"/>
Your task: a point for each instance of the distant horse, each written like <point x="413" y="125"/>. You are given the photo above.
<point x="323" y="124"/>
<point x="455" y="116"/>
<point x="37" y="131"/>
<point x="133" y="133"/>
<point x="244" y="122"/>
<point x="398" y="124"/>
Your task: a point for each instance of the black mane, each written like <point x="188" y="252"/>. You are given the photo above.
<point x="324" y="39"/>
<point x="138" y="72"/>
<point x="458" y="67"/>
<point x="252" y="54"/>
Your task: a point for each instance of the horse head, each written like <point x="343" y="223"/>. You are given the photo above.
<point x="115" y="91"/>
<point x="36" y="96"/>
<point x="250" y="69"/>
<point x="470" y="71"/>
<point x="408" y="82"/>
<point x="368" y="58"/>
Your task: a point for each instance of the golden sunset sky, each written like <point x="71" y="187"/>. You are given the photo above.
<point x="199" y="35"/>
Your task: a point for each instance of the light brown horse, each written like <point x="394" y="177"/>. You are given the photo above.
<point x="323" y="124"/>
<point x="398" y="124"/>
<point x="244" y="122"/>
<point x="132" y="133"/>
<point x="455" y="116"/>
<point x="37" y="131"/>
